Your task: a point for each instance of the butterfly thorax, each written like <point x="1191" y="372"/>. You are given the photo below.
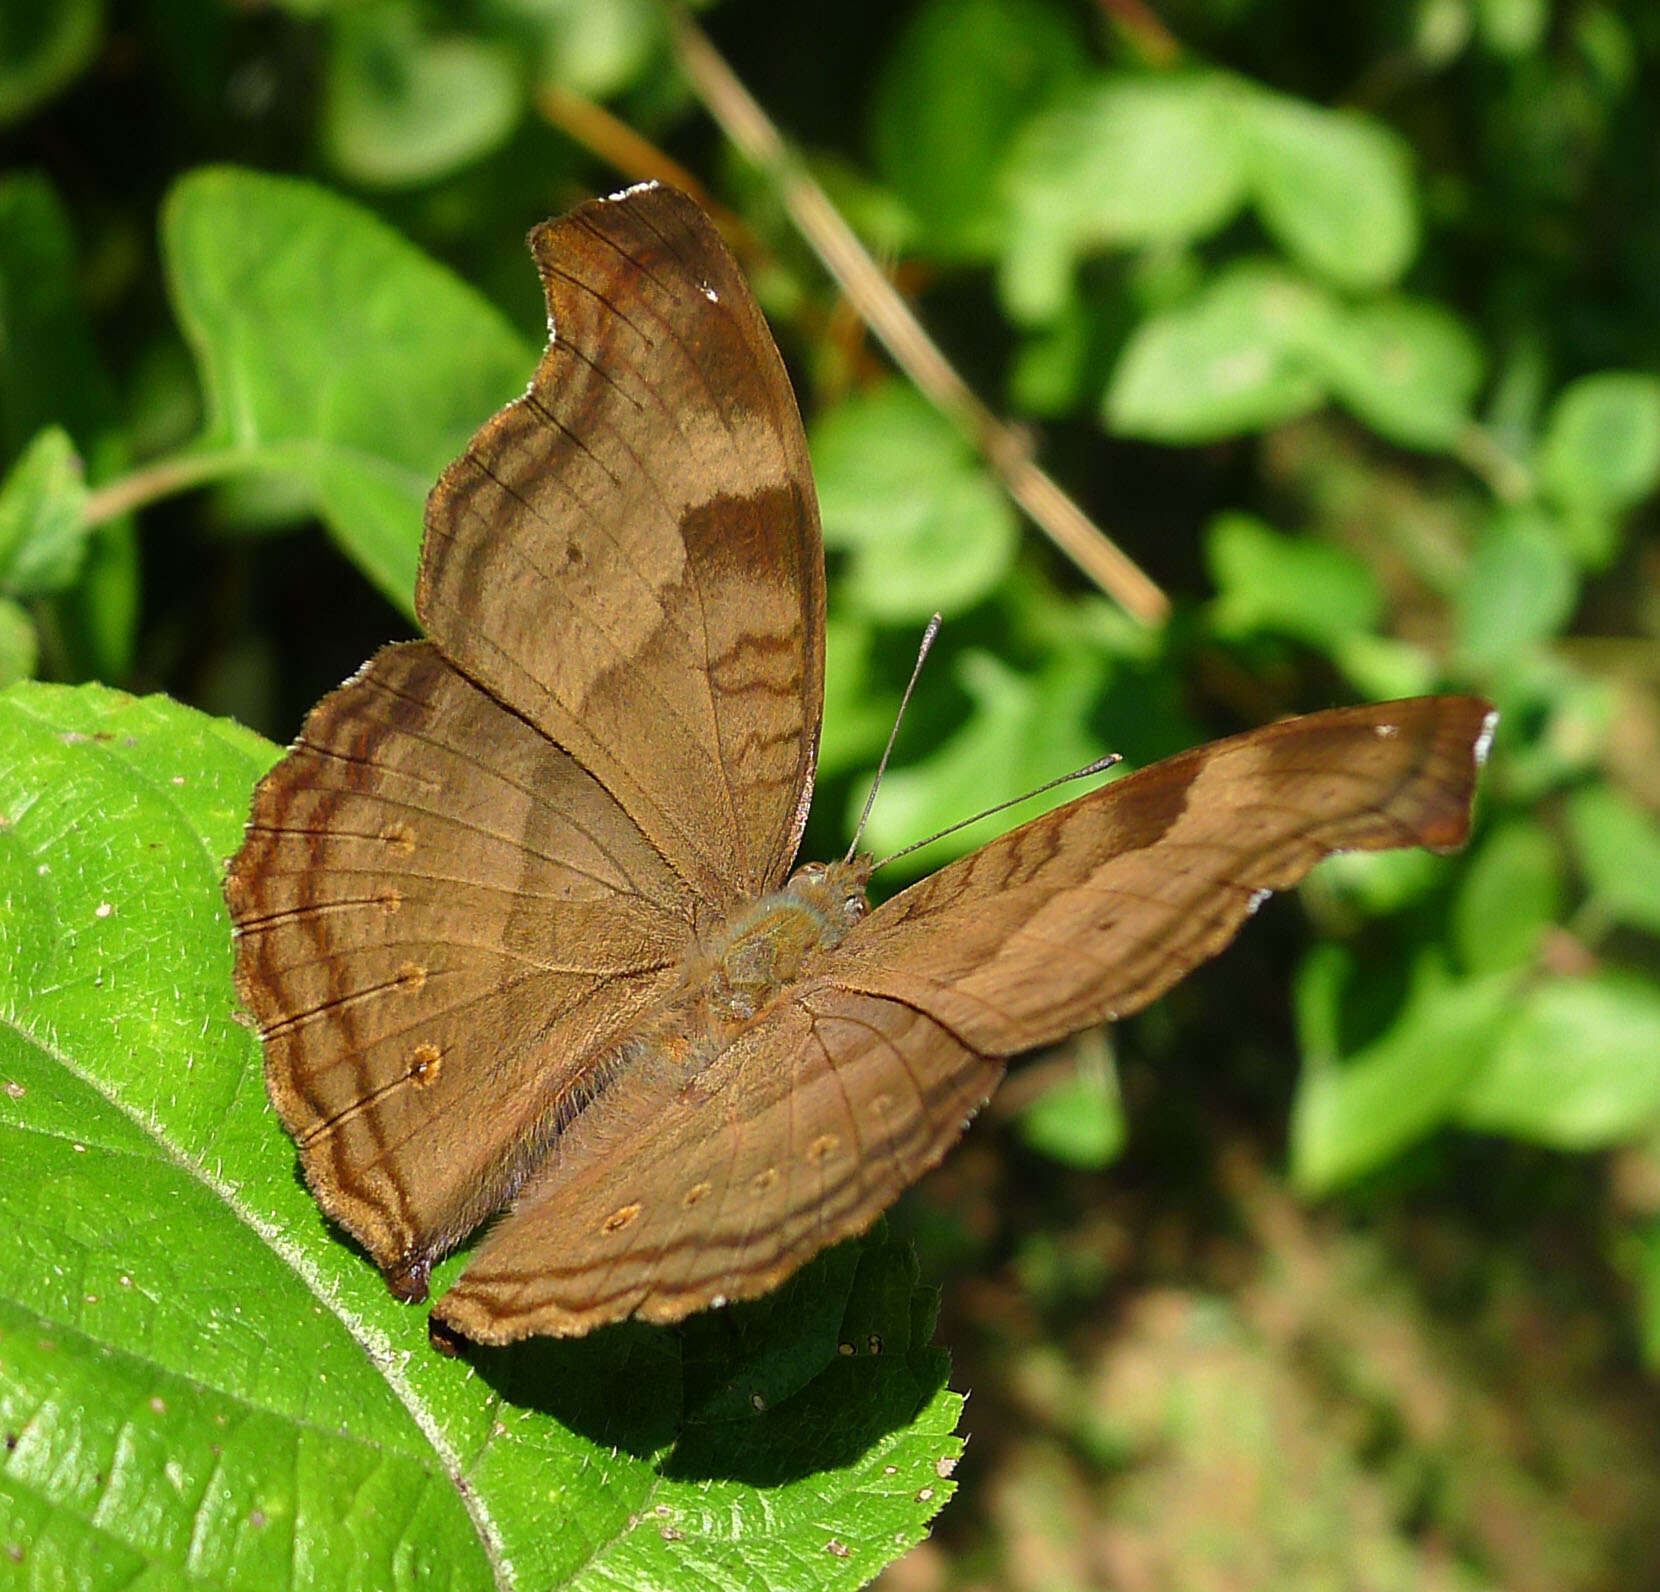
<point x="735" y="971"/>
<point x="768" y="945"/>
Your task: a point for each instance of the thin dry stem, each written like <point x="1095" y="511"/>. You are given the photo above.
<point x="891" y="320"/>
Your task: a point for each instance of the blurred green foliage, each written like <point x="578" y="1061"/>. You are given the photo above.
<point x="1344" y="321"/>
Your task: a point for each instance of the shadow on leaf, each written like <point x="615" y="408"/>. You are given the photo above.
<point x="803" y="1380"/>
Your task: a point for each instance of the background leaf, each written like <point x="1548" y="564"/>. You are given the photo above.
<point x="404" y="108"/>
<point x="1601" y="447"/>
<point x="961" y="80"/>
<point x="1335" y="190"/>
<point x="1120" y="163"/>
<point x="1619" y="848"/>
<point x="1229" y="362"/>
<point x="1405" y="367"/>
<point x="1313" y="591"/>
<point x="42" y="516"/>
<point x="332" y="351"/>
<point x="1352" y="1114"/>
<point x="1578" y="1067"/>
<point x="43" y="45"/>
<point x="901" y="491"/>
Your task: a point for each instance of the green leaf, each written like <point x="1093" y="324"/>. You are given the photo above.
<point x="333" y="350"/>
<point x="902" y="492"/>
<point x="962" y="78"/>
<point x="205" y="1379"/>
<point x="1381" y="667"/>
<point x="856" y="718"/>
<point x="1600" y="452"/>
<point x="50" y="375"/>
<point x="1121" y="162"/>
<point x="1618" y="844"/>
<point x="1335" y="189"/>
<point x="19" y="645"/>
<point x="404" y="109"/>
<point x="1510" y="897"/>
<point x="1376" y="884"/>
<point x="1352" y="1115"/>
<point x="1555" y="720"/>
<point x="44" y="45"/>
<point x="1407" y="368"/>
<point x="596" y="47"/>
<point x="1229" y="362"/>
<point x="1519" y="591"/>
<point x="1512" y="27"/>
<point x="1310" y="590"/>
<point x="42" y="517"/>
<point x="1078" y="1120"/>
<point x="1578" y="1067"/>
<point x="1023" y="731"/>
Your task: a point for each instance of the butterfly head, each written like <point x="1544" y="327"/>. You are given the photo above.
<point x="835" y="891"/>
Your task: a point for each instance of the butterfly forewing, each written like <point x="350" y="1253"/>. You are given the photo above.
<point x="440" y="917"/>
<point x="1090" y="911"/>
<point x="800" y="1135"/>
<point x="629" y="555"/>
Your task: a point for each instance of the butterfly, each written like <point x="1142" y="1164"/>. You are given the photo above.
<point x="516" y="915"/>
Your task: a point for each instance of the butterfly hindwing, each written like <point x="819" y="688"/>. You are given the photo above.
<point x="439" y="917"/>
<point x="798" y="1136"/>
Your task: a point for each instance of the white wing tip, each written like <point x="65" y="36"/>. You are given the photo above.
<point x="1484" y="741"/>
<point x="648" y="186"/>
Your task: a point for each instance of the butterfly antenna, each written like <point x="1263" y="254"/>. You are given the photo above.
<point x="1100" y="764"/>
<point x="893" y="734"/>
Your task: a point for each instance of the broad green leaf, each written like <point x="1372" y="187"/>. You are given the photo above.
<point x="1509" y="899"/>
<point x="1618" y="844"/>
<point x="1407" y="368"/>
<point x="44" y="44"/>
<point x="1314" y="591"/>
<point x="333" y="350"/>
<point x="1601" y="447"/>
<point x="962" y="78"/>
<point x="1334" y="189"/>
<point x="1023" y="731"/>
<point x="42" y="517"/>
<point x="1121" y="162"/>
<point x="403" y="108"/>
<point x="1228" y="363"/>
<point x="901" y="491"/>
<point x="208" y="1384"/>
<point x="1518" y="592"/>
<point x="1078" y="1119"/>
<point x="1352" y="1114"/>
<point x="1577" y="1068"/>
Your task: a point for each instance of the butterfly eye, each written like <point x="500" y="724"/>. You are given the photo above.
<point x="855" y="906"/>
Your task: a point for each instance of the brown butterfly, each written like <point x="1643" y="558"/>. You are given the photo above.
<point x="513" y="913"/>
